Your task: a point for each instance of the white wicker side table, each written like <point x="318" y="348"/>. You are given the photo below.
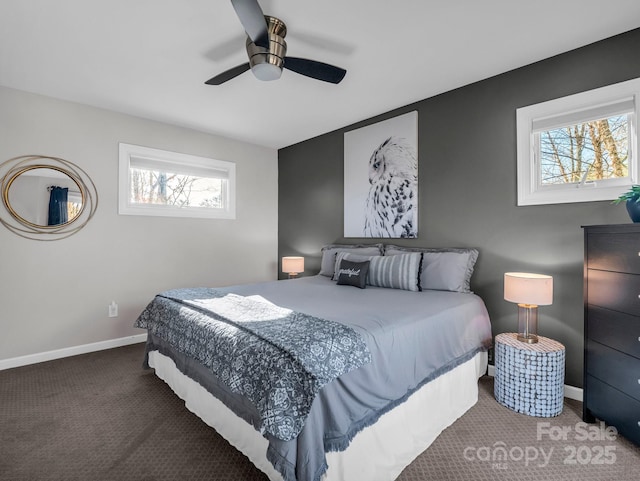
<point x="529" y="378"/>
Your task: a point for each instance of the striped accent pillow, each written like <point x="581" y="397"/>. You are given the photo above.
<point x="401" y="271"/>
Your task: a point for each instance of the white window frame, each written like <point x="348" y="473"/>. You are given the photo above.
<point x="564" y="111"/>
<point x="180" y="161"/>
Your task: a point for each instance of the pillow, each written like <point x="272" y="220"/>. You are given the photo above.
<point x="443" y="269"/>
<point x="401" y="271"/>
<point x="353" y="273"/>
<point x="327" y="266"/>
<point x="340" y="256"/>
<point x="396" y="272"/>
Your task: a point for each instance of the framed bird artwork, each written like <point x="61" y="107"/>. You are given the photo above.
<point x="381" y="179"/>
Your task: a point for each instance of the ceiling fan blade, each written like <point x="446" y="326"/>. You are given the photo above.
<point x="228" y="75"/>
<point x="252" y="19"/>
<point x="314" y="69"/>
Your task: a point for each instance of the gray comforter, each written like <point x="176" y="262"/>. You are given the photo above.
<point x="275" y="357"/>
<point x="413" y="337"/>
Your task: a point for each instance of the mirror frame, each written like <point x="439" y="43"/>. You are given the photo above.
<point x="22" y="220"/>
<point x="17" y="166"/>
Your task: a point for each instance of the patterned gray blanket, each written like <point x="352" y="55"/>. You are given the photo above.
<point x="278" y="358"/>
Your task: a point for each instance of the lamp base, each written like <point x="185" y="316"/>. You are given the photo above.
<point x="527" y="323"/>
<point x="528" y="338"/>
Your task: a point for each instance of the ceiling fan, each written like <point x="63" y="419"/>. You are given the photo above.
<point x="267" y="50"/>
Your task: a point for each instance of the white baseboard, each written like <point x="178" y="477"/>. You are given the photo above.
<point x="570" y="392"/>
<point x="573" y="392"/>
<point x="70" y="351"/>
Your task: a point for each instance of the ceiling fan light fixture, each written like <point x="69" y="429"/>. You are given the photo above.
<point x="266" y="71"/>
<point x="266" y="63"/>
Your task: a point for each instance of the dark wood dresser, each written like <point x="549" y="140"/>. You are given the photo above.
<point x="612" y="327"/>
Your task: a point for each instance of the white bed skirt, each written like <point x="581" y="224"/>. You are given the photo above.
<point x="377" y="453"/>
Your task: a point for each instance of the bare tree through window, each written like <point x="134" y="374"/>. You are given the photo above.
<point x="179" y="190"/>
<point x="589" y="151"/>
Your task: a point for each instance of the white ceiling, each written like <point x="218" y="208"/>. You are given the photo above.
<point x="150" y="58"/>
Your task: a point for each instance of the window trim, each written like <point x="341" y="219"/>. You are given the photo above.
<point x="570" y="108"/>
<point x="129" y="151"/>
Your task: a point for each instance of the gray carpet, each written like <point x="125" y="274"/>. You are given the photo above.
<point x="99" y="416"/>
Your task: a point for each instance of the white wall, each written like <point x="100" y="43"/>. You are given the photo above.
<point x="55" y="295"/>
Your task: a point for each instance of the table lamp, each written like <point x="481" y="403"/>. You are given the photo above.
<point x="529" y="291"/>
<point x="293" y="266"/>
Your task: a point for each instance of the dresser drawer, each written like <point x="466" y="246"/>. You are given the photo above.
<point x="613" y="290"/>
<point x="615" y="368"/>
<point x="614" y="252"/>
<point x="613" y="407"/>
<point x="614" y="329"/>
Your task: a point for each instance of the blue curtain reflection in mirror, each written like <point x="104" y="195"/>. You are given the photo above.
<point x="58" y="205"/>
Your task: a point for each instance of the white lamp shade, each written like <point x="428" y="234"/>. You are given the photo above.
<point x="293" y="265"/>
<point x="527" y="288"/>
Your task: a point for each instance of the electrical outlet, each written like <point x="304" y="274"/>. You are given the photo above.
<point x="113" y="309"/>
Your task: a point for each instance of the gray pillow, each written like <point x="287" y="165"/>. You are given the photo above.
<point x="327" y="265"/>
<point x="396" y="272"/>
<point x="352" y="273"/>
<point x="401" y="271"/>
<point x="340" y="256"/>
<point x="446" y="269"/>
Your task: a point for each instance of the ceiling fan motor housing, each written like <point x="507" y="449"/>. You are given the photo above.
<point x="267" y="63"/>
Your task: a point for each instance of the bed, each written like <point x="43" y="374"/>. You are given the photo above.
<point x="314" y="379"/>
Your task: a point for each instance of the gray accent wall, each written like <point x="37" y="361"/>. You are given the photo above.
<point x="467" y="182"/>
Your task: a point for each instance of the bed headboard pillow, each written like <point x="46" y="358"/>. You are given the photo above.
<point x="327" y="265"/>
<point x="352" y="273"/>
<point x="446" y="269"/>
<point x="401" y="271"/>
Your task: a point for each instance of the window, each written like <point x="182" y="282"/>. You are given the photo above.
<point x="74" y="204"/>
<point x="579" y="148"/>
<point x="161" y="183"/>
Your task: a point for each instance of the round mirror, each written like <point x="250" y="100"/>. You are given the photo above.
<point x="44" y="196"/>
<point x="47" y="198"/>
